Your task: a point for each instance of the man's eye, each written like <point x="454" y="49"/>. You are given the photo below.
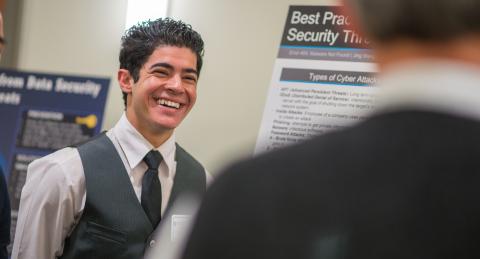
<point x="190" y="78"/>
<point x="160" y="73"/>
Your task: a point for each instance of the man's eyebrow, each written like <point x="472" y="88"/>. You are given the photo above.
<point x="169" y="66"/>
<point x="161" y="64"/>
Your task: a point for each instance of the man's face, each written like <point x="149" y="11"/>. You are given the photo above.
<point x="165" y="91"/>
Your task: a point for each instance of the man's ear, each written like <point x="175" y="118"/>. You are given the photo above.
<point x="125" y="80"/>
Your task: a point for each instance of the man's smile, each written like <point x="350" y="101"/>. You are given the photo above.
<point x="167" y="103"/>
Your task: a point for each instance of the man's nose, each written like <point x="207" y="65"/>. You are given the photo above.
<point x="174" y="84"/>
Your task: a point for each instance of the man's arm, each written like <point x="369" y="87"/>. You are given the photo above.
<point x="52" y="199"/>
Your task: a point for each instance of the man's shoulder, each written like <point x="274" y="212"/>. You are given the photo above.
<point x="311" y="149"/>
<point x="61" y="156"/>
<point x="59" y="162"/>
<point x="383" y="135"/>
<point x="324" y="155"/>
<point x="56" y="171"/>
<point x="66" y="156"/>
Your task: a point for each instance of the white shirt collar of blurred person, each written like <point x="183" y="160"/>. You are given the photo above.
<point x="432" y="85"/>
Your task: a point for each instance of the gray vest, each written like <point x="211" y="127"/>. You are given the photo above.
<point x="113" y="224"/>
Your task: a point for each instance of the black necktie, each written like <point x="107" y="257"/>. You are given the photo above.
<point x="151" y="188"/>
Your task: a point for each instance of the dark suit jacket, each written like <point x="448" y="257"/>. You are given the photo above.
<point x="4" y="217"/>
<point x="398" y="185"/>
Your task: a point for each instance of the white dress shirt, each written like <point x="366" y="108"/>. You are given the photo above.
<point x="54" y="194"/>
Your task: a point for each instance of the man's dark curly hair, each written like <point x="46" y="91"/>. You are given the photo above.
<point x="142" y="39"/>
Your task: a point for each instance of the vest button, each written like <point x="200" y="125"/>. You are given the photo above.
<point x="152" y="243"/>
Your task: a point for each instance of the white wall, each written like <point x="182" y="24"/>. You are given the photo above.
<point x="75" y="37"/>
<point x="241" y="37"/>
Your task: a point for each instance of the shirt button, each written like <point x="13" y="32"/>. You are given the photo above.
<point x="152" y="243"/>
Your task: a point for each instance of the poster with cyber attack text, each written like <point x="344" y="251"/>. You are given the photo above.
<point x="42" y="113"/>
<point x="322" y="78"/>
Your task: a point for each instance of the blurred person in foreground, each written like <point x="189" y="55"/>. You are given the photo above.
<point x="4" y="217"/>
<point x="105" y="198"/>
<point x="4" y="198"/>
<point x="402" y="184"/>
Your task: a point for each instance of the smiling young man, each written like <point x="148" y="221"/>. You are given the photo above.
<point x="105" y="198"/>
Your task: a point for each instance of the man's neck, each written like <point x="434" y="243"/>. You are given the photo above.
<point x="156" y="139"/>
<point x="152" y="134"/>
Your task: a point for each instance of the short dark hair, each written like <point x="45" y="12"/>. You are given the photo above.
<point x="423" y="20"/>
<point x="142" y="39"/>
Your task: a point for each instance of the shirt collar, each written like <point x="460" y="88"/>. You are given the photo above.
<point x="434" y="85"/>
<point x="135" y="146"/>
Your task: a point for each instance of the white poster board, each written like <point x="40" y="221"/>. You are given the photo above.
<point x="321" y="80"/>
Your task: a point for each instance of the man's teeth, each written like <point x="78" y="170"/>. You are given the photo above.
<point x="168" y="103"/>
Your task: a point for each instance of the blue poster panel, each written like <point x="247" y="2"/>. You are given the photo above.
<point x="41" y="113"/>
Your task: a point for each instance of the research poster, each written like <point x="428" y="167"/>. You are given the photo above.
<point x="41" y="113"/>
<point x="322" y="78"/>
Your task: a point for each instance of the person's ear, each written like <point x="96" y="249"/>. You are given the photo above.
<point x="349" y="11"/>
<point x="125" y="80"/>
